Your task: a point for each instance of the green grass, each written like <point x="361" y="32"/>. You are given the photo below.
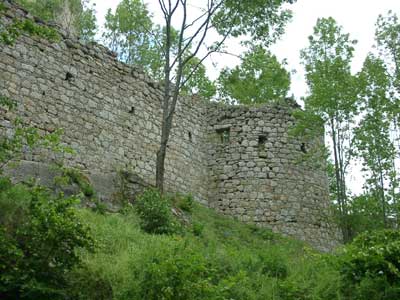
<point x="239" y="262"/>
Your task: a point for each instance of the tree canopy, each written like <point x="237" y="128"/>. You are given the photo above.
<point x="259" y="79"/>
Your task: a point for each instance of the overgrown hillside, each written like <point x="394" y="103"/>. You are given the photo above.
<point x="213" y="258"/>
<point x="173" y="248"/>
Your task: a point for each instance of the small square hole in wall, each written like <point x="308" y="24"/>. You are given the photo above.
<point x="132" y="110"/>
<point x="69" y="77"/>
<point x="303" y="148"/>
<point x="224" y="135"/>
<point x="262" y="139"/>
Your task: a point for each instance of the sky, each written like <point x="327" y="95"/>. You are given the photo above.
<point x="357" y="17"/>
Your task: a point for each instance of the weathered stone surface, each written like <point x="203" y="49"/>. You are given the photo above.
<point x="238" y="160"/>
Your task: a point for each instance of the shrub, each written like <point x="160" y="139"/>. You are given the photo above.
<point x="155" y="214"/>
<point x="264" y="233"/>
<point x="75" y="176"/>
<point x="289" y="290"/>
<point x="274" y="266"/>
<point x="183" y="273"/>
<point x="371" y="266"/>
<point x="197" y="228"/>
<point x="180" y="275"/>
<point x="185" y="203"/>
<point x="40" y="234"/>
<point x="99" y="207"/>
<point x="87" y="284"/>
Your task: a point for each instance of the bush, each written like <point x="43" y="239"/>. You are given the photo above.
<point x="371" y="266"/>
<point x="197" y="228"/>
<point x="180" y="275"/>
<point x="185" y="203"/>
<point x="87" y="284"/>
<point x="40" y="234"/>
<point x="274" y="266"/>
<point x="183" y="273"/>
<point x="155" y="213"/>
<point x="75" y="176"/>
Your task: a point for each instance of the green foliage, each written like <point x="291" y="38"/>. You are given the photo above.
<point x="274" y="266"/>
<point x="332" y="97"/>
<point x="23" y="138"/>
<point x="70" y="177"/>
<point x="84" y="283"/>
<point x="131" y="33"/>
<point x="184" y="202"/>
<point x="387" y="37"/>
<point x="373" y="138"/>
<point x="365" y="213"/>
<point x="229" y="260"/>
<point x="127" y="34"/>
<point x="9" y="33"/>
<point x="370" y="266"/>
<point x="40" y="231"/>
<point x="40" y="234"/>
<point x="198" y="83"/>
<point x="155" y="213"/>
<point x="259" y="79"/>
<point x="179" y="275"/>
<point x="87" y="21"/>
<point x="76" y="16"/>
<point x="327" y="62"/>
<point x="197" y="228"/>
<point x="262" y="20"/>
<point x="77" y="177"/>
<point x="7" y="103"/>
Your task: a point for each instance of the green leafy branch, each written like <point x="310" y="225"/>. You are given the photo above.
<point x="13" y="146"/>
<point x="10" y="33"/>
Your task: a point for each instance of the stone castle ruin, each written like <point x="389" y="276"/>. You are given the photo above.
<point x="238" y="160"/>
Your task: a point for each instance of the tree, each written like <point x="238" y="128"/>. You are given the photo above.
<point x="131" y="33"/>
<point x="388" y="41"/>
<point x="388" y="44"/>
<point x="260" y="78"/>
<point x="76" y="17"/>
<point x="332" y="97"/>
<point x="372" y="136"/>
<point x="261" y="20"/>
<point x="365" y="213"/>
<point x="197" y="81"/>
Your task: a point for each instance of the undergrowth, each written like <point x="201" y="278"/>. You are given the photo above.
<point x="226" y="260"/>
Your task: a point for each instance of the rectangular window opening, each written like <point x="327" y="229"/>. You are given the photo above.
<point x="224" y="135"/>
<point x="262" y="151"/>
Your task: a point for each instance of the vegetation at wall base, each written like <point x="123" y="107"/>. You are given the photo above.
<point x="211" y="257"/>
<point x="39" y="235"/>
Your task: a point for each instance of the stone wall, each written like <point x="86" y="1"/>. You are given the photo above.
<point x="256" y="173"/>
<point x="238" y="160"/>
<point x="110" y="112"/>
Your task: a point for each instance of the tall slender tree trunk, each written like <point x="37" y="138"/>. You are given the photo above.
<point x="394" y="184"/>
<point x="160" y="163"/>
<point x="339" y="193"/>
<point x="382" y="193"/>
<point x="162" y="152"/>
<point x="168" y="115"/>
